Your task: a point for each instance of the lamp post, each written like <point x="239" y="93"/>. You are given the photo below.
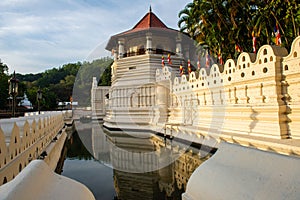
<point x="13" y="91"/>
<point x="39" y="98"/>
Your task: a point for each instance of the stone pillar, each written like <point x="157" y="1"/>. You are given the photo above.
<point x="187" y="52"/>
<point x="149" y="43"/>
<point x="95" y="82"/>
<point x="93" y="93"/>
<point x="152" y="96"/>
<point x="178" y="47"/>
<point x="121" y="48"/>
<point x="142" y="97"/>
<point x="118" y="98"/>
<point x="115" y="54"/>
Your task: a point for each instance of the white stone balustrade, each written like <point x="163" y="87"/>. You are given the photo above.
<point x="24" y="139"/>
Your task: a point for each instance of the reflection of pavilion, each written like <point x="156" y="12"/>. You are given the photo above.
<point x="144" y="168"/>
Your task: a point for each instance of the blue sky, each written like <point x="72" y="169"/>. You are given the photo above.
<point x="36" y="35"/>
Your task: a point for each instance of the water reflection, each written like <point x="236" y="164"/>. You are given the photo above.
<point x="81" y="166"/>
<point x="76" y="150"/>
<point x="142" y="168"/>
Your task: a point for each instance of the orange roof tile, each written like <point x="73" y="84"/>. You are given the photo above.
<point x="150" y="20"/>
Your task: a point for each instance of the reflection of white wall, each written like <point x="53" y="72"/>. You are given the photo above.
<point x="100" y="145"/>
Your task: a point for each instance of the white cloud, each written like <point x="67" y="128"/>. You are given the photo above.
<point x="36" y="35"/>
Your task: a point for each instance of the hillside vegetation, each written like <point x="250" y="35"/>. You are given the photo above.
<point x="57" y="84"/>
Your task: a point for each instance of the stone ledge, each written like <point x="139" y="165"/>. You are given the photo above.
<point x="38" y="181"/>
<point x="281" y="146"/>
<point x="236" y="172"/>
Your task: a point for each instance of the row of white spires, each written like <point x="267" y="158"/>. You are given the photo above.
<point x="266" y="55"/>
<point x="268" y="82"/>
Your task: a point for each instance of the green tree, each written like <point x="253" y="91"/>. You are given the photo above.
<point x="82" y="87"/>
<point x="3" y="85"/>
<point x="105" y="79"/>
<point x="219" y="25"/>
<point x="57" y="84"/>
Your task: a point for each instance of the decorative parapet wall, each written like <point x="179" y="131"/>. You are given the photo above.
<point x="162" y="94"/>
<point x="164" y="74"/>
<point x="291" y="87"/>
<point x="256" y="95"/>
<point x="24" y="139"/>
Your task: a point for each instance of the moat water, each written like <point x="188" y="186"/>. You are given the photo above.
<point x="115" y="165"/>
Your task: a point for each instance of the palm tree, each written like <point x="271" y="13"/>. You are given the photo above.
<point x="188" y="21"/>
<point x="221" y="24"/>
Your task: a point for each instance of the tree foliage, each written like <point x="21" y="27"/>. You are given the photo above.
<point x="3" y="84"/>
<point x="82" y="87"/>
<point x="219" y="25"/>
<point x="57" y="84"/>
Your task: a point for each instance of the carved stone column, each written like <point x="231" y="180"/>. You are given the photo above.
<point x="149" y="43"/>
<point x="121" y="48"/>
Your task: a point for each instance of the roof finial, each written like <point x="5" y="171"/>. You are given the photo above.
<point x="150" y="10"/>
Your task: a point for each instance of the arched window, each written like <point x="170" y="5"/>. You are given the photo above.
<point x="4" y="180"/>
<point x="20" y="167"/>
<point x="286" y="67"/>
<point x="295" y="54"/>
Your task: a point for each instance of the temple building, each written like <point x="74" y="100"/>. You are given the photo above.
<point x="252" y="102"/>
<point x="138" y="53"/>
<point x="255" y="96"/>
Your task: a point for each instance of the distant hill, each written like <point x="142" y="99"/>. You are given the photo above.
<point x="57" y="84"/>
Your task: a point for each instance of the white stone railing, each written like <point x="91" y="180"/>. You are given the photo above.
<point x="24" y="139"/>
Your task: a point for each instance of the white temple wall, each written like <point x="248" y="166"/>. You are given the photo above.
<point x="257" y="95"/>
<point x="245" y="98"/>
<point x="291" y="87"/>
<point x="133" y="94"/>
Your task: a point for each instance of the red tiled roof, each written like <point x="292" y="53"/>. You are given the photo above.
<point x="148" y="21"/>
